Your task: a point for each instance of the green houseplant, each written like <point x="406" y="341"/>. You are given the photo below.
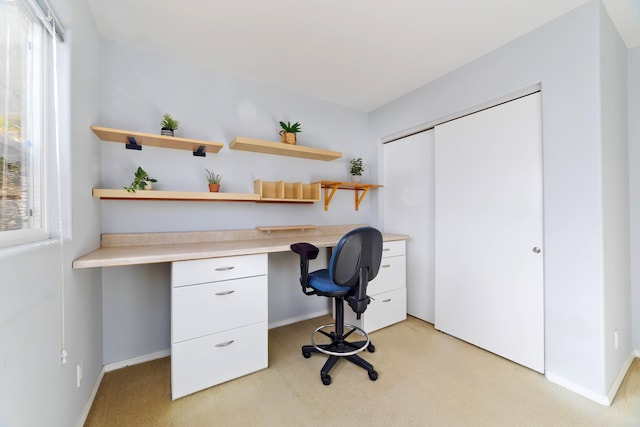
<point x="169" y="124"/>
<point x="289" y="131"/>
<point x="356" y="168"/>
<point x="141" y="181"/>
<point x="214" y="181"/>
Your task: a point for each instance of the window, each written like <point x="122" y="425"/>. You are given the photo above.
<point x="26" y="104"/>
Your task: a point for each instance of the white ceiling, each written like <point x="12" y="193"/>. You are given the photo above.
<point x="357" y="53"/>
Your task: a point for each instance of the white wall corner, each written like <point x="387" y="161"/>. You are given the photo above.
<point x="91" y="398"/>
<point x="137" y="360"/>
<point x="605" y="400"/>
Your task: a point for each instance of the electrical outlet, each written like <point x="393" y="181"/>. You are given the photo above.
<point x="616" y="339"/>
<point x="79" y="373"/>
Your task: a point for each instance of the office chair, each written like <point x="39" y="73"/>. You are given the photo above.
<point x="355" y="261"/>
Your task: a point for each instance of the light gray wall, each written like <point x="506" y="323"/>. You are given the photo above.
<point x="615" y="198"/>
<point x="633" y="75"/>
<point x="137" y="88"/>
<point x="36" y="311"/>
<point x="564" y="57"/>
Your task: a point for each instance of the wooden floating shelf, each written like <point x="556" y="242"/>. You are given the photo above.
<point x="360" y="190"/>
<point x="281" y="149"/>
<point x="286" y="192"/>
<point x="110" y="194"/>
<point x="269" y="229"/>
<point x="135" y="140"/>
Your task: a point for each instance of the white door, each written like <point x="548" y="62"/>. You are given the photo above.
<point x="408" y="209"/>
<point x="489" y="263"/>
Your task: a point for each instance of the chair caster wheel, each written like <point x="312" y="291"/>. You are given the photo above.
<point x="371" y="348"/>
<point x="373" y="375"/>
<point x="326" y="379"/>
<point x="306" y="354"/>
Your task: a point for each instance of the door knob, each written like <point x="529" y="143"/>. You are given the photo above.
<point x="536" y="250"/>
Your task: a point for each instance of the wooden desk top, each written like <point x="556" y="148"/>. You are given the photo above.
<point x="148" y="248"/>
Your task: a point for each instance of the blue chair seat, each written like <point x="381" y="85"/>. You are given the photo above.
<point x="321" y="281"/>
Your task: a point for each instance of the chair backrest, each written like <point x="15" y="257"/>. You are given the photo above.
<point x="359" y="248"/>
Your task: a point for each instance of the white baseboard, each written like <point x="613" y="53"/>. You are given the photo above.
<point x="618" y="381"/>
<point x="602" y="399"/>
<point x="137" y="360"/>
<point x="92" y="396"/>
<point x="298" y="319"/>
<point x="599" y="398"/>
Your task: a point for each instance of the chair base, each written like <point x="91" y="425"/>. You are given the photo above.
<point x="340" y="348"/>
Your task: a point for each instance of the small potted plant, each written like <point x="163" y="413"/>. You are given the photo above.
<point x="141" y="181"/>
<point x="356" y="168"/>
<point x="214" y="181"/>
<point x="289" y="131"/>
<point x="169" y="124"/>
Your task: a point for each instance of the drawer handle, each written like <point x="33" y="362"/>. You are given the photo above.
<point x="386" y="249"/>
<point x="225" y="293"/>
<point x="224" y="268"/>
<point x="386" y="300"/>
<point x="224" y="344"/>
<point x="386" y="266"/>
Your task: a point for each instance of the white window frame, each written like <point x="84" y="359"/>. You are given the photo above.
<point x="39" y="120"/>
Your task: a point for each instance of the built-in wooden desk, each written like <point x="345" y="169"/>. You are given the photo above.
<point x="219" y="303"/>
<point x="148" y="248"/>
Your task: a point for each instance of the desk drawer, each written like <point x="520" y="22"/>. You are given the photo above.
<point x="205" y="309"/>
<point x="391" y="275"/>
<point x="385" y="309"/>
<point x="204" y="362"/>
<point x="216" y="269"/>
<point x="394" y="248"/>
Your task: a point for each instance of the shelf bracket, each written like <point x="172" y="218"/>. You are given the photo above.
<point x="132" y="144"/>
<point x="359" y="196"/>
<point x="328" y="196"/>
<point x="200" y="152"/>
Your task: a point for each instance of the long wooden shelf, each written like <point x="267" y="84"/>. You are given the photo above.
<point x="140" y="138"/>
<point x="360" y="190"/>
<point x="112" y="194"/>
<point x="281" y="149"/>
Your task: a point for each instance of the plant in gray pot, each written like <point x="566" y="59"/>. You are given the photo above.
<point x="169" y="125"/>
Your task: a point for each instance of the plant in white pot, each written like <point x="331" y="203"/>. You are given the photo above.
<point x="141" y="181"/>
<point x="356" y="168"/>
<point x="214" y="181"/>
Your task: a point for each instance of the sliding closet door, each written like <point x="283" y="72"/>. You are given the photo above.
<point x="489" y="263"/>
<point x="408" y="209"/>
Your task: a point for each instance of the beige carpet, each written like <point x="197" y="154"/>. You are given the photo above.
<point x="426" y="378"/>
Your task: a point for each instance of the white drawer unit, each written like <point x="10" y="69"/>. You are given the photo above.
<point x="218" y="321"/>
<point x="388" y="291"/>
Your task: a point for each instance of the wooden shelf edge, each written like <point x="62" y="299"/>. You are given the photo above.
<point x="149" y="139"/>
<point x="276" y="200"/>
<point x="286" y="227"/>
<point x="278" y="148"/>
<point x="346" y="185"/>
<point x="114" y="194"/>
